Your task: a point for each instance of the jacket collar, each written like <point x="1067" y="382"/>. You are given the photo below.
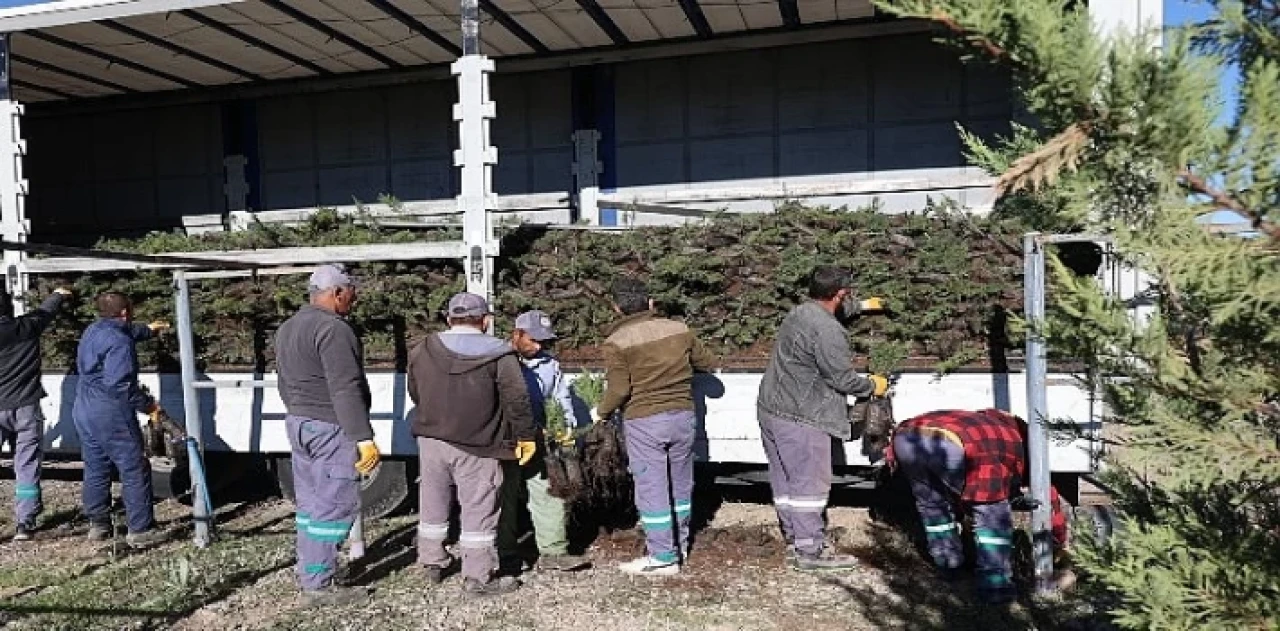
<point x="627" y="321"/>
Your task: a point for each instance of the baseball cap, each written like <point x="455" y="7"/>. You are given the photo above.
<point x="329" y="277"/>
<point x="537" y="324"/>
<point x="465" y="305"/>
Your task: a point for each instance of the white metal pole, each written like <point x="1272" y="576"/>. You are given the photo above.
<point x="14" y="226"/>
<point x="191" y="407"/>
<point x="586" y="175"/>
<point x="1038" y="411"/>
<point x="475" y="156"/>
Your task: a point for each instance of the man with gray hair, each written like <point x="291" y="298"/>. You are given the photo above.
<point x="322" y="382"/>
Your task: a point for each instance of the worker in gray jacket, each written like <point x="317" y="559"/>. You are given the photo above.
<point x="20" y="393"/>
<point x="803" y="410"/>
<point x="322" y="383"/>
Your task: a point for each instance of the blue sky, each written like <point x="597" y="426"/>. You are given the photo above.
<point x="1178" y="12"/>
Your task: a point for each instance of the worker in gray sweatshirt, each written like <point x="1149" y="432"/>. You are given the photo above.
<point x="322" y="383"/>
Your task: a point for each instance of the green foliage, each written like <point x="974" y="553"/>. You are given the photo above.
<point x="589" y="386"/>
<point x="732" y="278"/>
<point x="1192" y="391"/>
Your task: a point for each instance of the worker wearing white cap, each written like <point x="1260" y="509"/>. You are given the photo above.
<point x="323" y="385"/>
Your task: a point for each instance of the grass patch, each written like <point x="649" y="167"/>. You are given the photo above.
<point x="149" y="590"/>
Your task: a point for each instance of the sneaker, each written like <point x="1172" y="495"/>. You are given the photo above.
<point x="101" y="532"/>
<point x="24" y="531"/>
<point x="822" y="561"/>
<point x="146" y="539"/>
<point x="649" y="566"/>
<point x="495" y="587"/>
<point x="333" y="596"/>
<point x="562" y="562"/>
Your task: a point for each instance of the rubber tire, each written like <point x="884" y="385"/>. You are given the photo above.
<point x="381" y="494"/>
<point x="1104" y="519"/>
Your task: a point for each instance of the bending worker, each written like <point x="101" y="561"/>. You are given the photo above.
<point x="108" y="401"/>
<point x="322" y="382"/>
<point x="803" y="410"/>
<point x="532" y="338"/>
<point x="472" y="415"/>
<point x="649" y="366"/>
<point x="20" y="395"/>
<point x="980" y="459"/>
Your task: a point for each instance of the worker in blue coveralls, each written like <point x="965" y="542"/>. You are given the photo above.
<point x="532" y="339"/>
<point x="20" y="393"/>
<point x="322" y="383"/>
<point x="108" y="401"/>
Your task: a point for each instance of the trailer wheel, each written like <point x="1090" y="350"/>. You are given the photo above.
<point x="380" y="494"/>
<point x="1103" y="519"/>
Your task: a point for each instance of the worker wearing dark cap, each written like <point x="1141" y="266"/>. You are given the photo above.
<point x="472" y="415"/>
<point x="532" y="339"/>
<point x="322" y="383"/>
<point x="20" y="395"/>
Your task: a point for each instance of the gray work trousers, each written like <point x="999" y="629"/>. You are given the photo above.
<point x="800" y="474"/>
<point x="327" y="492"/>
<point x="25" y="426"/>
<point x="660" y="456"/>
<point x="936" y="469"/>
<point x="479" y="482"/>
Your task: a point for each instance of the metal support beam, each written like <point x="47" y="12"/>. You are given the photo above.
<point x="191" y="408"/>
<point x="1038" y="411"/>
<point x="179" y="50"/>
<point x="110" y="59"/>
<point x="510" y="24"/>
<point x="25" y="85"/>
<point x="333" y="33"/>
<point x="693" y="11"/>
<point x="586" y="176"/>
<point x="475" y="156"/>
<point x="80" y="76"/>
<point x="602" y="19"/>
<point x="417" y="27"/>
<point x="13" y="187"/>
<point x="204" y="20"/>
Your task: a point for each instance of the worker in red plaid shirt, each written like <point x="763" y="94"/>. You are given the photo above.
<point x="980" y="459"/>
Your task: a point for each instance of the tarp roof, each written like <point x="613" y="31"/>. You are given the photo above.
<point x="132" y="46"/>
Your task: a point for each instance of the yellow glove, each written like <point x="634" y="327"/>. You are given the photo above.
<point x="881" y="385"/>
<point x="158" y="326"/>
<point x="369" y="457"/>
<point x="62" y="290"/>
<point x="565" y="437"/>
<point x="872" y="304"/>
<point x="525" y="450"/>
<point x="154" y="415"/>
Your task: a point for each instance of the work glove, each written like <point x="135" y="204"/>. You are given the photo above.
<point x="62" y="290"/>
<point x="525" y="450"/>
<point x="881" y="384"/>
<point x="564" y="436"/>
<point x="369" y="457"/>
<point x="159" y="326"/>
<point x="872" y="304"/>
<point x="595" y="416"/>
<point x="155" y="414"/>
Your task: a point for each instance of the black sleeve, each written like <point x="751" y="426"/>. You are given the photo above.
<point x="33" y="324"/>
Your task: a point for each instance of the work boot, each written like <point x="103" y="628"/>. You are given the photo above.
<point x="562" y="562"/>
<point x="333" y="596"/>
<point x="99" y="531"/>
<point x="146" y="539"/>
<point x="495" y="587"/>
<point x="24" y="531"/>
<point x="649" y="566"/>
<point x="823" y="561"/>
<point x="433" y="573"/>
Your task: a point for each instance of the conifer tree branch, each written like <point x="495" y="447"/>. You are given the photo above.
<point x="1222" y="199"/>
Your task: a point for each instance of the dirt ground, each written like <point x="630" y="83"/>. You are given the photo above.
<point x="736" y="579"/>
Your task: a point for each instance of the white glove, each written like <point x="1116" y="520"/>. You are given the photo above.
<point x="595" y="416"/>
<point x="851" y="400"/>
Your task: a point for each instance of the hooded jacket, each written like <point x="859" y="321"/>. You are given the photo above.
<point x="470" y="392"/>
